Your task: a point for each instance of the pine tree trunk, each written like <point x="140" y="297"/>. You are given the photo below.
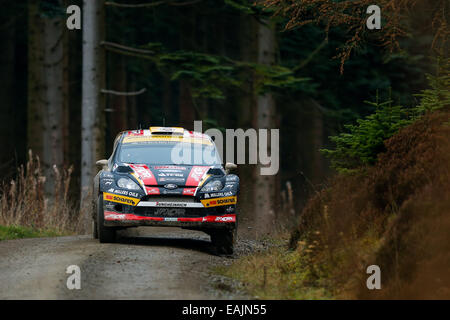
<point x="118" y="103"/>
<point x="167" y="100"/>
<point x="265" y="185"/>
<point x="54" y="94"/>
<point x="246" y="108"/>
<point x="46" y="90"/>
<point x="188" y="42"/>
<point x="132" y="104"/>
<point x="7" y="95"/>
<point x="35" y="104"/>
<point x="73" y="117"/>
<point x="92" y="122"/>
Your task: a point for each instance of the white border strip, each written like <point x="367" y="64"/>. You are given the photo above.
<point x="167" y="204"/>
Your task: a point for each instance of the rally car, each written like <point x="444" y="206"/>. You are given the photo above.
<point x="165" y="176"/>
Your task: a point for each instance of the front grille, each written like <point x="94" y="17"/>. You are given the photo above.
<point x="169" y="212"/>
<point x="169" y="198"/>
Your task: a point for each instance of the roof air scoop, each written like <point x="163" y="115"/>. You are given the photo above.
<point x="216" y="171"/>
<point x="123" y="169"/>
<point x="167" y="131"/>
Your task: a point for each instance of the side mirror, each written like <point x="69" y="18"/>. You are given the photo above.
<point x="102" y="163"/>
<point x="230" y="166"/>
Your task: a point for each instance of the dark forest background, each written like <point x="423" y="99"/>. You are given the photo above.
<point x="197" y="60"/>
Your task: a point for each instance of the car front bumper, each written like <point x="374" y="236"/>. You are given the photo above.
<point x="166" y="213"/>
<point x="114" y="219"/>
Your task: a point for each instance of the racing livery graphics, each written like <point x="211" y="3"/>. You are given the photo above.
<point x="143" y="186"/>
<point x="219" y="201"/>
<point x="120" y="199"/>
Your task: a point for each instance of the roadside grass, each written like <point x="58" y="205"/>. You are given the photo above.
<point x="279" y="273"/>
<point x="395" y="214"/>
<point x="29" y="210"/>
<point x="20" y="232"/>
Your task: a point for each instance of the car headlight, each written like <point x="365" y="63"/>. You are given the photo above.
<point x="214" y="185"/>
<point x="127" y="183"/>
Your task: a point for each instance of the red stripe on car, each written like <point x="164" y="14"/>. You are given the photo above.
<point x="196" y="175"/>
<point x="136" y="133"/>
<point x="188" y="191"/>
<point x="114" y="216"/>
<point x="145" y="174"/>
<point x="151" y="190"/>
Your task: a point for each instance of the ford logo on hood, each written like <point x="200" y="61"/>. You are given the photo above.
<point x="170" y="186"/>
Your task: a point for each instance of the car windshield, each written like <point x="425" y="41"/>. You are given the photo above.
<point x="168" y="153"/>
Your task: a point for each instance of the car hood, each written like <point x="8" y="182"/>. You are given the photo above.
<point x="160" y="175"/>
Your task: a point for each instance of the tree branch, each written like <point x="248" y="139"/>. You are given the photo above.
<point x="128" y="53"/>
<point x="118" y="93"/>
<point x="149" y="5"/>
<point x="140" y="5"/>
<point x="121" y="46"/>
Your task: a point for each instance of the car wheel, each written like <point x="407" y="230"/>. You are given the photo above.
<point x="223" y="240"/>
<point x="94" y="229"/>
<point x="94" y="219"/>
<point x="105" y="234"/>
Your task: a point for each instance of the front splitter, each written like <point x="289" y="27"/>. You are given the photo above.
<point x="114" y="219"/>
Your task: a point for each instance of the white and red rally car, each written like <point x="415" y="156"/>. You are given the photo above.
<point x="166" y="177"/>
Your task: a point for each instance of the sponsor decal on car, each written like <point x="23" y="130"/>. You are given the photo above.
<point x="124" y="192"/>
<point x="136" y="133"/>
<point x="231" y="178"/>
<point x="162" y="172"/>
<point x="219" y="201"/>
<point x="107" y="175"/>
<point x="170" y="212"/>
<point x="120" y="199"/>
<point x="169" y="168"/>
<point x="218" y="194"/>
<point x="165" y="138"/>
<point x="170" y="219"/>
<point x="144" y="174"/>
<point x="171" y="179"/>
<point x="171" y="204"/>
<point x="164" y="191"/>
<point x="230" y="218"/>
<point x="225" y="219"/>
<point x="188" y="191"/>
<point x="114" y="216"/>
<point x="196" y="175"/>
<point x="152" y="190"/>
<point x="167" y="130"/>
<point x="230" y="209"/>
<point x="170" y="174"/>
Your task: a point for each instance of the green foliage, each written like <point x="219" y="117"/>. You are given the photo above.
<point x="273" y="78"/>
<point x="241" y="5"/>
<point x="365" y="140"/>
<point x="210" y="75"/>
<point x="438" y="95"/>
<point x="207" y="74"/>
<point x="20" y="232"/>
<point x="51" y="9"/>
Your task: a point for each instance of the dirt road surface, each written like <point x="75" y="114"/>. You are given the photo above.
<point x="147" y="263"/>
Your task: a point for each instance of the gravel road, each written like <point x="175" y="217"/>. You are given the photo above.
<point x="146" y="263"/>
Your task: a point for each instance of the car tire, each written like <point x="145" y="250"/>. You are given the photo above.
<point x="224" y="240"/>
<point x="105" y="234"/>
<point x="94" y="229"/>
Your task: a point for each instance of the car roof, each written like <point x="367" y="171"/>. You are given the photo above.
<point x="168" y="134"/>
